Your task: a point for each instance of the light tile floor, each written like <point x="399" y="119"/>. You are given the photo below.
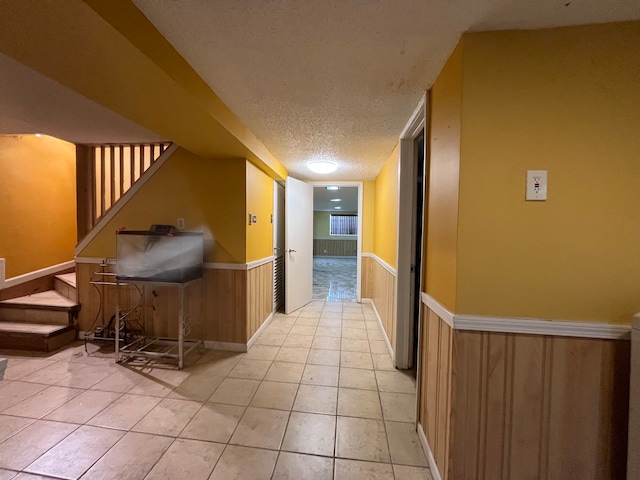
<point x="316" y="397"/>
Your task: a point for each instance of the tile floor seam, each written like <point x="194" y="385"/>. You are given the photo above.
<point x="309" y="380"/>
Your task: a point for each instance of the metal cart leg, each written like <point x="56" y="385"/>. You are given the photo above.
<point x="181" y="328"/>
<point x="116" y="322"/>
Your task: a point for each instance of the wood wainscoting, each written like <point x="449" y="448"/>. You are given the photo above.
<point x="327" y="247"/>
<point x="379" y="285"/>
<point x="434" y="387"/>
<point x="234" y="303"/>
<point x="259" y="297"/>
<point x="518" y="406"/>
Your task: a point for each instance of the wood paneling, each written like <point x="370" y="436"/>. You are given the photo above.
<point x="259" y="297"/>
<point x="523" y="406"/>
<point x="366" y="276"/>
<point x="334" y="248"/>
<point x="531" y="407"/>
<point x="383" y="294"/>
<point x="227" y="306"/>
<point x="435" y="385"/>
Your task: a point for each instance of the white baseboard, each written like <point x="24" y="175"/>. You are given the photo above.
<point x="435" y="473"/>
<point x="256" y="335"/>
<point x="227" y="346"/>
<point x="365" y="300"/>
<point x="386" y="338"/>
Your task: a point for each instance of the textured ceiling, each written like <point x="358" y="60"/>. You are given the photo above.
<point x="335" y="79"/>
<point x="338" y="79"/>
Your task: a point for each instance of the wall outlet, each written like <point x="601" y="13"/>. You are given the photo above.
<point x="536" y="185"/>
<point x="181" y="225"/>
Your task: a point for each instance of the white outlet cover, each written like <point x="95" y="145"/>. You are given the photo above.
<point x="536" y="185"/>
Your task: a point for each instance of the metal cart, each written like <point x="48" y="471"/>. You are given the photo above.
<point x="151" y="259"/>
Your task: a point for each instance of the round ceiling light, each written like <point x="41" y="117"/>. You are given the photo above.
<point x="322" y="167"/>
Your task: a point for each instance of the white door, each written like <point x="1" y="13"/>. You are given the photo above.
<point x="298" y="244"/>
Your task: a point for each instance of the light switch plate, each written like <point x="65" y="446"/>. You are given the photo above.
<point x="536" y="185"/>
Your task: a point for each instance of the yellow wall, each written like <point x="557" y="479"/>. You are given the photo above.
<point x="259" y="203"/>
<point x="37" y="202"/>
<point x="564" y="100"/>
<point x="208" y="194"/>
<point x="321" y="223"/>
<point x="385" y="211"/>
<point x="442" y="213"/>
<point x="368" y="190"/>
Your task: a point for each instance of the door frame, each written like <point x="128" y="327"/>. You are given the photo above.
<point x="407" y="191"/>
<point x="357" y="184"/>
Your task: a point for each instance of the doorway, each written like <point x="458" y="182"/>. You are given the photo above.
<point x="335" y="243"/>
<point x="412" y="196"/>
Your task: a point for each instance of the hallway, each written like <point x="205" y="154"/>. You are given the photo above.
<point x="315" y="397"/>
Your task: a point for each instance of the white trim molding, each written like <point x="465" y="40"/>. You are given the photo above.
<point x="207" y="265"/>
<point x="438" y="309"/>
<point x="238" y="266"/>
<point x="226" y="346"/>
<point x="435" y="473"/>
<point x="259" y="263"/>
<point x="107" y="217"/>
<point x="96" y="260"/>
<point x="408" y="240"/>
<point x="43" y="272"/>
<point x="384" y="264"/>
<point x="530" y="326"/>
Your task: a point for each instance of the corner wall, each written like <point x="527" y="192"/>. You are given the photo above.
<point x="214" y="196"/>
<point x="498" y="398"/>
<point x="563" y="100"/>
<point x="38" y="198"/>
<point x="379" y="276"/>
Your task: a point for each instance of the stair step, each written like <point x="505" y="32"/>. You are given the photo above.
<point x="65" y="283"/>
<point x="49" y="307"/>
<point x="33" y="336"/>
<point x="68" y="278"/>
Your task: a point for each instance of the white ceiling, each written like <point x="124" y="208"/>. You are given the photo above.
<point x="33" y="103"/>
<point x="333" y="79"/>
<point x="348" y="197"/>
<point x="339" y="79"/>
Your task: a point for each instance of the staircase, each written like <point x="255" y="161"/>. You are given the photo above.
<point x="42" y="321"/>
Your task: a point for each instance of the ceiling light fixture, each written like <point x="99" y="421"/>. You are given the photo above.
<point x="335" y="200"/>
<point x="322" y="167"/>
<point x="333" y="187"/>
<point x="337" y="208"/>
